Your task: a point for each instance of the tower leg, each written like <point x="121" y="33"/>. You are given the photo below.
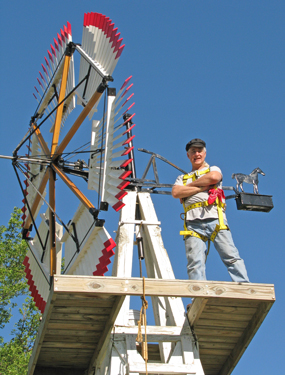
<point x="124" y="251"/>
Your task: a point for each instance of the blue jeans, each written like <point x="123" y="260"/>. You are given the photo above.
<point x="196" y="251"/>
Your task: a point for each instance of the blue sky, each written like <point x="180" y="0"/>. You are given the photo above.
<point x="213" y="70"/>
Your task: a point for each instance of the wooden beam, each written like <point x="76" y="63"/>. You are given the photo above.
<point x="41" y="333"/>
<point x="73" y="187"/>
<point x="161" y="368"/>
<point x="100" y="351"/>
<point x="154" y="333"/>
<point x="86" y="110"/>
<point x="245" y="339"/>
<point x="41" y="140"/>
<point x="159" y="287"/>
<point x="196" y="310"/>
<point x="59" y="111"/>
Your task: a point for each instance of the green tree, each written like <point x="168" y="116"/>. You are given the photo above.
<point x="14" y="354"/>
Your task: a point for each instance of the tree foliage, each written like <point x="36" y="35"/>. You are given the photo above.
<point x="12" y="278"/>
<point x="14" y="354"/>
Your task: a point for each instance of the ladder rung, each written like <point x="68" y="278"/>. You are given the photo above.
<point x="161" y="368"/>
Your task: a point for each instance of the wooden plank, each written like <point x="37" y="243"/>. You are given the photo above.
<point x="84" y="302"/>
<point x="78" y="317"/>
<point x="41" y="333"/>
<point x="159" y="287"/>
<point x="213" y="360"/>
<point x="61" y="352"/>
<point x="67" y="362"/>
<point x="196" y="310"/>
<point x="68" y="345"/>
<point x="82" y="310"/>
<point x="215" y="352"/>
<point x="223" y="332"/>
<point x="227" y="316"/>
<point x="99" y="353"/>
<point x="247" y="303"/>
<point x="161" y="368"/>
<point x="218" y="339"/>
<point x="73" y="325"/>
<point x="216" y="345"/>
<point x="85" y="297"/>
<point x="245" y="339"/>
<point x="154" y="333"/>
<point x="230" y="310"/>
<point x="73" y="337"/>
<point x="211" y="323"/>
<point x="72" y="333"/>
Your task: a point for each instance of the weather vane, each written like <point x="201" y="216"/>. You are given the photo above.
<point x="255" y="201"/>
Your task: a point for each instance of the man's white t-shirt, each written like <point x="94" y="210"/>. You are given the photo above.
<point x="202" y="213"/>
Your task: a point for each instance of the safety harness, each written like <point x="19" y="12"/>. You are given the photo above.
<point x="216" y="197"/>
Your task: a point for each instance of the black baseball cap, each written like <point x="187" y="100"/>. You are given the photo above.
<point x="196" y="142"/>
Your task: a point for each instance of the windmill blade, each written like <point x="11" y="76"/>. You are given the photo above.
<point x="102" y="43"/>
<point x="107" y="172"/>
<point x="35" y="174"/>
<point x="40" y="289"/>
<point x="50" y="77"/>
<point x="37" y="262"/>
<point x="90" y="252"/>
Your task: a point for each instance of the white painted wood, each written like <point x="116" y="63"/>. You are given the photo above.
<point x="176" y="355"/>
<point x="108" y="141"/>
<point x="59" y="232"/>
<point x="34" y="177"/>
<point x="39" y="260"/>
<point x="162" y="368"/>
<point x="91" y="239"/>
<point x="159" y="257"/>
<point x="37" y="273"/>
<point x="171" y="331"/>
<point x="187" y="349"/>
<point x="118" y="359"/>
<point x="104" y="368"/>
<point x="132" y="353"/>
<point x="158" y="303"/>
<point x="122" y="266"/>
<point x="154" y="333"/>
<point x="197" y="361"/>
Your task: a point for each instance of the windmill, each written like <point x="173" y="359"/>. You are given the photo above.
<point x="86" y="325"/>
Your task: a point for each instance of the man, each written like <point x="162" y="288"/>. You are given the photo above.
<point x="203" y="200"/>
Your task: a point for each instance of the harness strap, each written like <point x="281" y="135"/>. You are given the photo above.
<point x="194" y="175"/>
<point x="220" y="205"/>
<point x="192" y="233"/>
<point x="202" y="204"/>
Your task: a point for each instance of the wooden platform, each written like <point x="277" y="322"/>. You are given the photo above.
<point x="224" y="329"/>
<point x="81" y="311"/>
